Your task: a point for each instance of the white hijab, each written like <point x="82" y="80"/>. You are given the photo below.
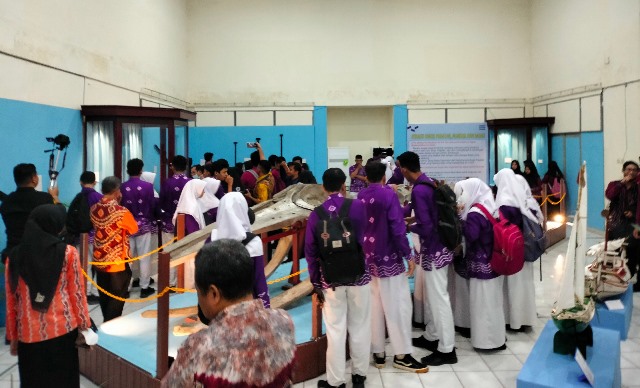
<point x="233" y="222"/>
<point x="189" y="201"/>
<point x="511" y="192"/>
<point x="209" y="199"/>
<point x="474" y="190"/>
<point x="531" y="202"/>
<point x="150" y="177"/>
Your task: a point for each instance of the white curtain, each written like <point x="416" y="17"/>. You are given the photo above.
<point x="512" y="144"/>
<point x="131" y="145"/>
<point x="100" y="141"/>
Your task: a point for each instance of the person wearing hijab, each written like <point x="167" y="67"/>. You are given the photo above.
<point x="485" y="286"/>
<point x="234" y="223"/>
<point x="46" y="302"/>
<point x="511" y="200"/>
<point x="556" y="187"/>
<point x="515" y="166"/>
<point x="209" y="201"/>
<point x="533" y="178"/>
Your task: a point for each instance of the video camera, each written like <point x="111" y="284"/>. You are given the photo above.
<point x="60" y="143"/>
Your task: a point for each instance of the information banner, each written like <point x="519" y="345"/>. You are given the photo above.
<point x="451" y="152"/>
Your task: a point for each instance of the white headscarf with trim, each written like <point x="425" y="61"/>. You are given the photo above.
<point x="471" y="191"/>
<point x="531" y="202"/>
<point x="511" y="192"/>
<point x="209" y="199"/>
<point x="233" y="222"/>
<point x="189" y="201"/>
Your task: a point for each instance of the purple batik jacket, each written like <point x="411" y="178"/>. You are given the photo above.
<point x="356" y="184"/>
<point x="478" y="238"/>
<point x="385" y="238"/>
<point x="138" y="198"/>
<point x="169" y="197"/>
<point x="93" y="197"/>
<point x="433" y="254"/>
<point x="357" y="214"/>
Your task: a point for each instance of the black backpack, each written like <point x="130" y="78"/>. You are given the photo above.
<point x="341" y="256"/>
<point x="535" y="240"/>
<point x="79" y="216"/>
<point x="449" y="224"/>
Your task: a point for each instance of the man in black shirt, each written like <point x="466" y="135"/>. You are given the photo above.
<point x="17" y="206"/>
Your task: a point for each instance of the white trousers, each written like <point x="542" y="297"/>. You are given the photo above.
<point x="91" y="289"/>
<point x="140" y="245"/>
<point x="419" y="297"/>
<point x="438" y="308"/>
<point x="347" y="309"/>
<point x="459" y="293"/>
<point x="173" y="274"/>
<point x="487" y="314"/>
<point x="520" y="298"/>
<point x="391" y="304"/>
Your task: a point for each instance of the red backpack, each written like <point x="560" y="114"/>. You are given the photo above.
<point x="508" y="245"/>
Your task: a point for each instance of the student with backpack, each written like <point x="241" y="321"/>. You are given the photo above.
<point x="79" y="221"/>
<point x="477" y="209"/>
<point x="520" y="303"/>
<point x="434" y="259"/>
<point x="385" y="246"/>
<point x="336" y="264"/>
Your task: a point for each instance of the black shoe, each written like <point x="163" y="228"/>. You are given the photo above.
<point x="135" y="283"/>
<point x="145" y="292"/>
<point x="418" y="325"/>
<point x="463" y="331"/>
<point x="501" y="347"/>
<point x="438" y="358"/>
<point x="325" y="384"/>
<point x="358" y="381"/>
<point x="379" y="362"/>
<point x="93" y="300"/>
<point x="410" y="364"/>
<point x="424" y="343"/>
<point x="151" y="281"/>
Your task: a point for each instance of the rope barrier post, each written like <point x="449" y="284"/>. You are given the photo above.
<point x="545" y="210"/>
<point x="316" y="318"/>
<point x="84" y="251"/>
<point x="162" y="339"/>
<point x="265" y="248"/>
<point x="181" y="231"/>
<point x="295" y="261"/>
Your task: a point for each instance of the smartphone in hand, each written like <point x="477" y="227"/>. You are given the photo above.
<point x="252" y="145"/>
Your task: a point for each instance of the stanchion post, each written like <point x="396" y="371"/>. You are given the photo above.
<point x="181" y="232"/>
<point x="316" y="318"/>
<point x="84" y="251"/>
<point x="162" y="340"/>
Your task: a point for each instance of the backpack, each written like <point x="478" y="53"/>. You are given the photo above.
<point x="78" y="216"/>
<point x="341" y="256"/>
<point x="508" y="245"/>
<point x="535" y="240"/>
<point x="449" y="224"/>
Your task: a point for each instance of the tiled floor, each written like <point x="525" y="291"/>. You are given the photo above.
<point x="473" y="369"/>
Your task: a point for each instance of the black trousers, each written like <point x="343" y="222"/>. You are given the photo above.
<point x="633" y="252"/>
<point x="50" y="363"/>
<point x="116" y="283"/>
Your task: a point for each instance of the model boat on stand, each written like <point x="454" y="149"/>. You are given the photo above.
<point x="608" y="275"/>
<point x="573" y="310"/>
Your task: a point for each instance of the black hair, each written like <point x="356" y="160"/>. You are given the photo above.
<point x="208" y="156"/>
<point x="296" y="166"/>
<point x="227" y="265"/>
<point x="248" y="165"/>
<point x="532" y="177"/>
<point x="110" y="184"/>
<point x="134" y="167"/>
<point x="333" y="179"/>
<point x="390" y="151"/>
<point x="358" y="156"/>
<point x="409" y="160"/>
<point x="281" y="159"/>
<point x="297" y="158"/>
<point x="210" y="168"/>
<point x="179" y="163"/>
<point x="223" y="164"/>
<point x="265" y="166"/>
<point x="87" y="178"/>
<point x="375" y="171"/>
<point x="23" y="172"/>
<point x="554" y="171"/>
<point x="628" y="162"/>
<point x="517" y="170"/>
<point x="255" y="158"/>
<point x="273" y="160"/>
<point x="217" y="166"/>
<point x="304" y="166"/>
<point x="199" y="168"/>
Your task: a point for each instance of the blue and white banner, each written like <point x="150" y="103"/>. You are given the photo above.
<point x="451" y="152"/>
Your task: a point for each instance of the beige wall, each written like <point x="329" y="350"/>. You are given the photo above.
<point x="359" y="129"/>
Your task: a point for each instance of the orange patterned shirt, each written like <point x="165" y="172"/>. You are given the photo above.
<point x="68" y="308"/>
<point x="113" y="224"/>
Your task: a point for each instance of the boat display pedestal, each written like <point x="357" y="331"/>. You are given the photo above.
<point x="567" y="343"/>
<point x="618" y="320"/>
<point x="544" y="368"/>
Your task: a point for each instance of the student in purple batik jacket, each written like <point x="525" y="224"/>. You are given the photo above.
<point x="485" y="286"/>
<point x="520" y="302"/>
<point x="345" y="307"/>
<point x="434" y="259"/>
<point x="358" y="176"/>
<point x="88" y="184"/>
<point x="385" y="247"/>
<point x="233" y="223"/>
<point x="138" y="198"/>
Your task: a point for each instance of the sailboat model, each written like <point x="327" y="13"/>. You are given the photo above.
<point x="572" y="311"/>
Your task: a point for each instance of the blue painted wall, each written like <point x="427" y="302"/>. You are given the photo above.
<point x="400" y="122"/>
<point x="24" y="127"/>
<point x="308" y="141"/>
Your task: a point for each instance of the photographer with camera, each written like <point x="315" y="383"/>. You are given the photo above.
<point x="17" y="206"/>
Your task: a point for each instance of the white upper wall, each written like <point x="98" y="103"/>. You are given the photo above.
<point x="131" y="44"/>
<point x="582" y="42"/>
<point x="358" y="52"/>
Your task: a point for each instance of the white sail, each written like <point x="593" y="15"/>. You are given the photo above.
<point x="572" y="282"/>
